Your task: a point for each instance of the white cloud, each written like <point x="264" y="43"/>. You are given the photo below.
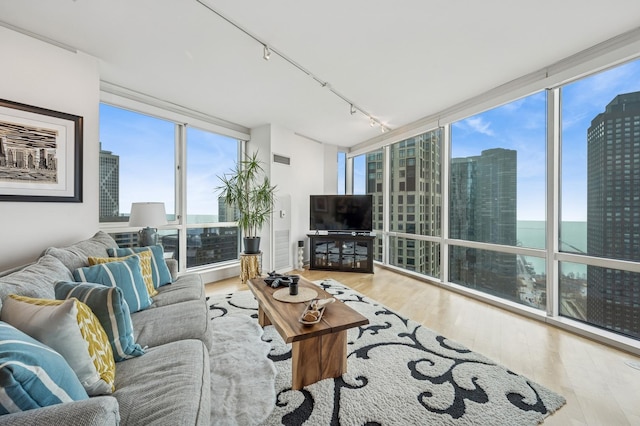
<point x="477" y="124"/>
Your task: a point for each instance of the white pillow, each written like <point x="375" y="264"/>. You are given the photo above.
<point x="71" y="329"/>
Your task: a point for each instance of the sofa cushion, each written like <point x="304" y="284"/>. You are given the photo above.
<point x="161" y="274"/>
<point x="33" y="375"/>
<point x="170" y="385"/>
<point x="35" y="280"/>
<point x="109" y="305"/>
<point x="145" y="267"/>
<point x="95" y="411"/>
<point x="164" y="324"/>
<point x="75" y="256"/>
<point x="125" y="275"/>
<point x="187" y="287"/>
<point x="70" y="328"/>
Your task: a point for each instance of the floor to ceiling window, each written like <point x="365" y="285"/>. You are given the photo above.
<point x="135" y="150"/>
<point x="415" y="203"/>
<point x="368" y="175"/>
<point x="138" y="163"/>
<point x="497" y="196"/>
<point x="210" y="239"/>
<point x="601" y="199"/>
<point x="500" y="241"/>
<point x="342" y="173"/>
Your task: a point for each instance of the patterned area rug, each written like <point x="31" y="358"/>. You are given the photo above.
<point x="399" y="373"/>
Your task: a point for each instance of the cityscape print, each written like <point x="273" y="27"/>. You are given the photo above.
<point x="27" y="154"/>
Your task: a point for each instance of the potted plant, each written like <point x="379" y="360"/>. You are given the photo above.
<point x="248" y="189"/>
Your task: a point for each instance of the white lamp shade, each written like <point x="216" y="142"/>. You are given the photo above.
<point x="148" y="214"/>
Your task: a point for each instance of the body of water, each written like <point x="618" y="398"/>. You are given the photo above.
<point x="573" y="239"/>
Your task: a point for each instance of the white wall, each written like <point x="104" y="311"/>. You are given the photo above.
<point x="311" y="164"/>
<point x="43" y="75"/>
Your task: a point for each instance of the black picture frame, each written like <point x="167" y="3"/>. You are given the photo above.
<point x="40" y="154"/>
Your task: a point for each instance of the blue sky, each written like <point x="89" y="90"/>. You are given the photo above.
<point x="147" y="171"/>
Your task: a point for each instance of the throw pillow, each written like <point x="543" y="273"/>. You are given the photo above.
<point x="71" y="329"/>
<point x="161" y="274"/>
<point x="145" y="267"/>
<point x="35" y="280"/>
<point x="75" y="255"/>
<point x="125" y="275"/>
<point x="33" y="375"/>
<point x="110" y="306"/>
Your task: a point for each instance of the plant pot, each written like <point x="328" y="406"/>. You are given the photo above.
<point x="251" y="245"/>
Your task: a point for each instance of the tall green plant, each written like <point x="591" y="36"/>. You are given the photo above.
<point x="248" y="189"/>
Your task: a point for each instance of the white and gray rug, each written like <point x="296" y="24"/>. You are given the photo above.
<point x="399" y="373"/>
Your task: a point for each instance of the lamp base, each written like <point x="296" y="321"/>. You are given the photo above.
<point x="147" y="237"/>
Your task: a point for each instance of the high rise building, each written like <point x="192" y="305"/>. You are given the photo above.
<point x="416" y="200"/>
<point x="483" y="207"/>
<point x="109" y="187"/>
<point x="613" y="214"/>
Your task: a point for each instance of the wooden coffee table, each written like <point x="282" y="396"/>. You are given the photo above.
<point x="319" y="351"/>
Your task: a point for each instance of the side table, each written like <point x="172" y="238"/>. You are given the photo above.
<point x="250" y="266"/>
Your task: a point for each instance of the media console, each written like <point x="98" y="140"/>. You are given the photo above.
<point x="342" y="251"/>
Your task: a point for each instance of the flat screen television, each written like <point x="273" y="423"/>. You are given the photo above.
<point x="339" y="213"/>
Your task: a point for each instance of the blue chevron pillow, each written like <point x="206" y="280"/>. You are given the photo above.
<point x="33" y="375"/>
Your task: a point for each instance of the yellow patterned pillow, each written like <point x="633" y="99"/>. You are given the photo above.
<point x="70" y="328"/>
<point x="145" y="266"/>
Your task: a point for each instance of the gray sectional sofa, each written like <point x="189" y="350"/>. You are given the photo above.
<point x="168" y="385"/>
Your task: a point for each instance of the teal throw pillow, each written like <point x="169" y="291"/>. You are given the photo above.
<point x="160" y="270"/>
<point x="33" y="375"/>
<point x="126" y="275"/>
<point x="110" y="307"/>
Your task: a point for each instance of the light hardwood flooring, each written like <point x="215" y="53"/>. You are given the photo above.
<point x="599" y="387"/>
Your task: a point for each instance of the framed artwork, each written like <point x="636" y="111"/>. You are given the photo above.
<point x="40" y="154"/>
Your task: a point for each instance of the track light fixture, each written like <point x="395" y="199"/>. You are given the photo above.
<point x="266" y="55"/>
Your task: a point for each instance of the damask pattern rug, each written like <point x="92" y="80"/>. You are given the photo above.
<point x="399" y="373"/>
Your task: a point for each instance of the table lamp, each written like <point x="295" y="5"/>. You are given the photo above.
<point x="150" y="215"/>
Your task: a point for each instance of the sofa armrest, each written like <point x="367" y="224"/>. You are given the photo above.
<point x="99" y="410"/>
<point x="172" y="264"/>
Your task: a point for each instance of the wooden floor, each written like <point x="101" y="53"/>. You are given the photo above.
<point x="599" y="387"/>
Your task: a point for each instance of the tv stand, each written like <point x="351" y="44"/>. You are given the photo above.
<point x="342" y="252"/>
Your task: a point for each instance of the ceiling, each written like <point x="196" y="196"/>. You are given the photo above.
<point x="399" y="61"/>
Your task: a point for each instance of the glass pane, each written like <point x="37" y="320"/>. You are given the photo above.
<point x="130" y="239"/>
<point x="415" y="255"/>
<point x="211" y="245"/>
<point x="374" y="167"/>
<point x="359" y="175"/>
<point x="498" y="175"/>
<point x="601" y="164"/>
<point x="416" y="198"/>
<point x="169" y="239"/>
<point x="342" y="170"/>
<point x="367" y="179"/>
<point x="506" y="275"/>
<point x="209" y="155"/>
<point x="604" y="297"/>
<point x="377" y="248"/>
<point x="137" y="162"/>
